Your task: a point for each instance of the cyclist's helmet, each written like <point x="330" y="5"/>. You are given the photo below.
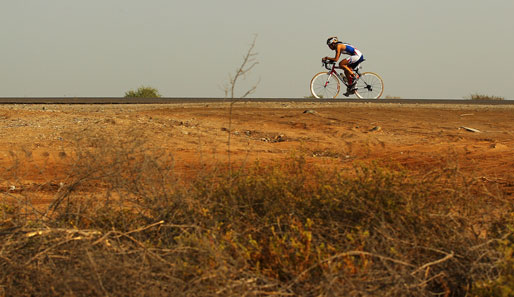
<point x="332" y="40"/>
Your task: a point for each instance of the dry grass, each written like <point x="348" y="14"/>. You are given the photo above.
<point x="287" y="229"/>
<point x="392" y="97"/>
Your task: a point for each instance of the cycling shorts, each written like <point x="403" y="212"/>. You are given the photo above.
<point x="356" y="63"/>
<point x="356" y="58"/>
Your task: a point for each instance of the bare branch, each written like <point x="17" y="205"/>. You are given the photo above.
<point x="249" y="62"/>
<point x="447" y="257"/>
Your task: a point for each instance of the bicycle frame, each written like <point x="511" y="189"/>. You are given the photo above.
<point x="332" y="71"/>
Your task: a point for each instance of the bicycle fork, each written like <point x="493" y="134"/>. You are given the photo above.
<point x="328" y="79"/>
<point x="330" y="75"/>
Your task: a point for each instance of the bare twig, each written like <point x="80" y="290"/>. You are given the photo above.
<point x="249" y="62"/>
<point x="48" y="249"/>
<point x="126" y="233"/>
<point x="95" y="269"/>
<point x="348" y="254"/>
<point x="144" y="228"/>
<point x="425" y="282"/>
<point x="445" y="258"/>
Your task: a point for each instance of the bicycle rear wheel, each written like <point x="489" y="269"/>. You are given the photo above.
<point x="369" y="86"/>
<point x="324" y="85"/>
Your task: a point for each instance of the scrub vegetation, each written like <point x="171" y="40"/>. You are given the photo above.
<point x="143" y="92"/>
<point x="478" y="96"/>
<point x="285" y="229"/>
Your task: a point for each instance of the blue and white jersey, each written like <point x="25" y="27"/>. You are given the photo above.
<point x="355" y="56"/>
<point x="350" y="50"/>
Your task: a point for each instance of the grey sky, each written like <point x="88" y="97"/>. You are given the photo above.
<point x="422" y="49"/>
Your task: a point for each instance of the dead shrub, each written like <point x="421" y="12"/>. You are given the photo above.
<point x="286" y="229"/>
<point x="478" y="96"/>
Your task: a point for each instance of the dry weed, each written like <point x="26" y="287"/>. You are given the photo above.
<point x="288" y="229"/>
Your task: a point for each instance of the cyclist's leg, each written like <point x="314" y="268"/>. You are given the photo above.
<point x="346" y="64"/>
<point x="347" y="70"/>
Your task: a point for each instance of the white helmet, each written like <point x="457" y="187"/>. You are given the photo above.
<point x="332" y="40"/>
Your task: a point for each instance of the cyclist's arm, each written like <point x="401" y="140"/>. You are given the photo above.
<point x="339" y="49"/>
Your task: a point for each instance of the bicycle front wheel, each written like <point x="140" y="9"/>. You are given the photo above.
<point x="324" y="85"/>
<point x="369" y="86"/>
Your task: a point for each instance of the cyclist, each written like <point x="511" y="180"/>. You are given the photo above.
<point x="347" y="64"/>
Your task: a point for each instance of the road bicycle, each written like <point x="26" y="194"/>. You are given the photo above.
<point x="369" y="85"/>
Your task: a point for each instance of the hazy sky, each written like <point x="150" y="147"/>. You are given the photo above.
<point x="422" y="49"/>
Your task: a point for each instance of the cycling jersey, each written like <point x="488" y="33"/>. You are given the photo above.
<point x="350" y="50"/>
<point x="355" y="55"/>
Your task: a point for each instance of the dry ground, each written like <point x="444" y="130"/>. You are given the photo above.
<point x="418" y="137"/>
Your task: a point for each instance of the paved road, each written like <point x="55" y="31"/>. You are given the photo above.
<point x="122" y="100"/>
